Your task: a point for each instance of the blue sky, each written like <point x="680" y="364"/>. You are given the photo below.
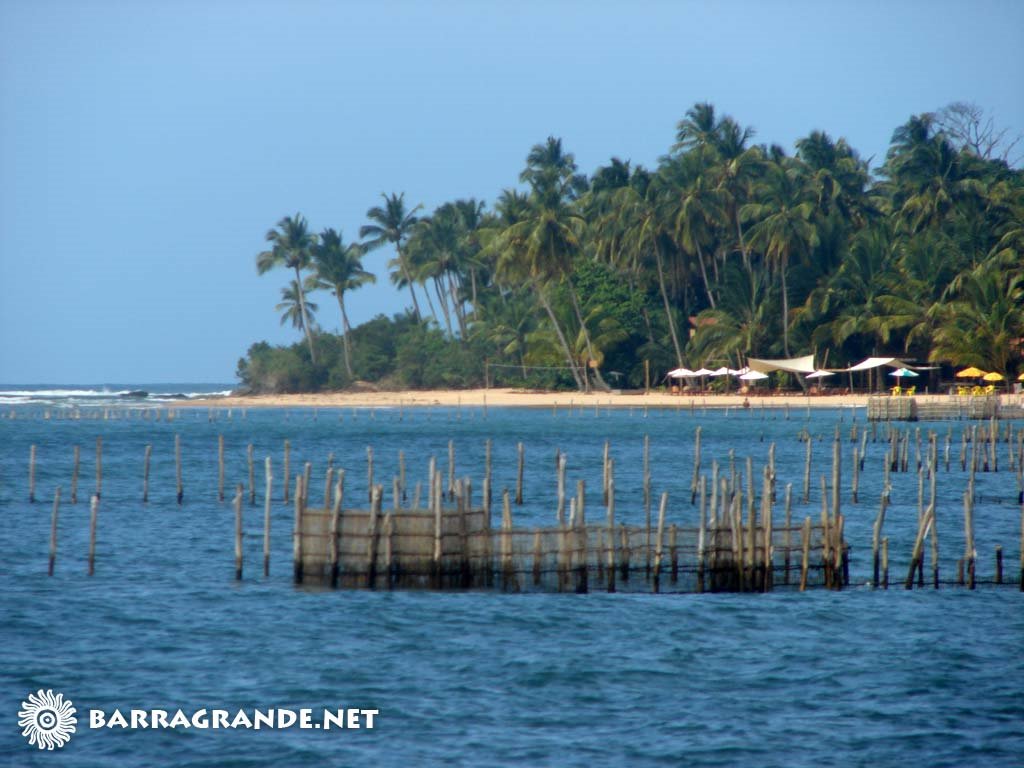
<point x="146" y="147"/>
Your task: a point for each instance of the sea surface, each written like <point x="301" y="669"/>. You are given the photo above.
<point x="858" y="677"/>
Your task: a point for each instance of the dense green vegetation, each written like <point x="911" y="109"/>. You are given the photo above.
<point x="726" y="248"/>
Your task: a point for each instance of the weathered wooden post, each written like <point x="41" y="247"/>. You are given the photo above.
<point x="999" y="558"/>
<point x="876" y="534"/>
<point x="805" y="541"/>
<point x="519" y="475"/>
<point x="696" y="465"/>
<point x="373" y="525"/>
<point x="610" y="495"/>
<point x="238" y="533"/>
<point x="53" y="531"/>
<point x="508" y="579"/>
<point x="788" y="539"/>
<point x="807" y="472"/>
<point x="94" y="508"/>
<point x="269" y="478"/>
<point x="369" y="473"/>
<point x="401" y="475"/>
<point x="339" y="495"/>
<point x="659" y="542"/>
<point x="970" y="553"/>
<point x="297" y="534"/>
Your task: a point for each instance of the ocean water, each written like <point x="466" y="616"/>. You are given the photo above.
<point x="859" y="677"/>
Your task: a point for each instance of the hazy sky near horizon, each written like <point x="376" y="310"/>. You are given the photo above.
<point x="147" y="147"/>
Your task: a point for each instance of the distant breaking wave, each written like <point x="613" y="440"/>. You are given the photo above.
<point x="141" y="395"/>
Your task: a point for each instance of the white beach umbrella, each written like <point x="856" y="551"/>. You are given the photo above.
<point x="740" y="371"/>
<point x="723" y="371"/>
<point x="820" y="374"/>
<point x="680" y="373"/>
<point x="753" y="376"/>
<point x="702" y="372"/>
<point x="902" y="373"/>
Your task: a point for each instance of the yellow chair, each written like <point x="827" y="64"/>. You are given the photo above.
<point x="896" y="391"/>
<point x="963" y="390"/>
<point x="990" y="389"/>
<point x="909" y="391"/>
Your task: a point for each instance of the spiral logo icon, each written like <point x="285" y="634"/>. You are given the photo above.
<point x="47" y="720"/>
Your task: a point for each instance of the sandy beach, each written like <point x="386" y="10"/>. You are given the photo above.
<point x="532" y="399"/>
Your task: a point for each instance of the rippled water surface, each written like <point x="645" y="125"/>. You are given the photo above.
<point x="853" y="678"/>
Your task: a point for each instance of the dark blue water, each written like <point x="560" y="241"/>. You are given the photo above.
<point x="853" y="678"/>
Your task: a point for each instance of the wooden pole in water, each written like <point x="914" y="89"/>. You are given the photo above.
<point x="519" y="474"/>
<point x="916" y="555"/>
<point x="269" y="478"/>
<point x="999" y="559"/>
<point x="252" y="475"/>
<point x="369" y="473"/>
<point x="373" y="525"/>
<point x="297" y="533"/>
<point x="74" y="477"/>
<point x="659" y="541"/>
<point x="788" y="540"/>
<point x="970" y="552"/>
<point x="287" y="468"/>
<point x="238" y="533"/>
<point x="805" y="540"/>
<point x="177" y="469"/>
<point x="876" y="534"/>
<point x="436" y="494"/>
<point x="560" y="506"/>
<point x="856" y="474"/>
<point x="99" y="466"/>
<point x="507" y="566"/>
<point x="220" y="468"/>
<point x="32" y="474"/>
<point x="837" y="455"/>
<point x="701" y="530"/>
<point x="647" y="505"/>
<point x="611" y="535"/>
<point x="94" y="507"/>
<point x="53" y="531"/>
<point x="696" y="465"/>
<point x="339" y="495"/>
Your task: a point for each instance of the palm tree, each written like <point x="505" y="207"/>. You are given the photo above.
<point x="339" y="269"/>
<point x="783" y="227"/>
<point x="296" y="308"/>
<point x="291" y="244"/>
<point x="392" y="223"/>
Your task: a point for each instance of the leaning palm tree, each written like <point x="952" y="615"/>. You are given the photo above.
<point x="392" y="223"/>
<point x="291" y="243"/>
<point x="296" y="308"/>
<point x="339" y="268"/>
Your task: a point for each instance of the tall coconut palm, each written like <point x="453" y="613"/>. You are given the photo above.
<point x="392" y="223"/>
<point x="782" y="226"/>
<point x="295" y="307"/>
<point x="291" y="246"/>
<point x="339" y="269"/>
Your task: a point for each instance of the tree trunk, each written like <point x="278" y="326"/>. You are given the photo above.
<point x="586" y="338"/>
<point x="409" y="281"/>
<point x="561" y="337"/>
<point x="668" y="307"/>
<point x="785" y="306"/>
<point x="704" y="274"/>
<point x="346" y="342"/>
<point x="305" y="316"/>
<point x="456" y="305"/>
<point x="444" y="307"/>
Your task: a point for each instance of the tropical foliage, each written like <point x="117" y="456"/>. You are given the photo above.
<point x="726" y="248"/>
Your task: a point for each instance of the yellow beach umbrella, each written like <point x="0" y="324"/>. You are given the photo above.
<point x="970" y="373"/>
<point x="993" y="376"/>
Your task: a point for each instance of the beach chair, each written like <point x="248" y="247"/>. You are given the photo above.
<point x="909" y="391"/>
<point x="990" y="389"/>
<point x="896" y="391"/>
